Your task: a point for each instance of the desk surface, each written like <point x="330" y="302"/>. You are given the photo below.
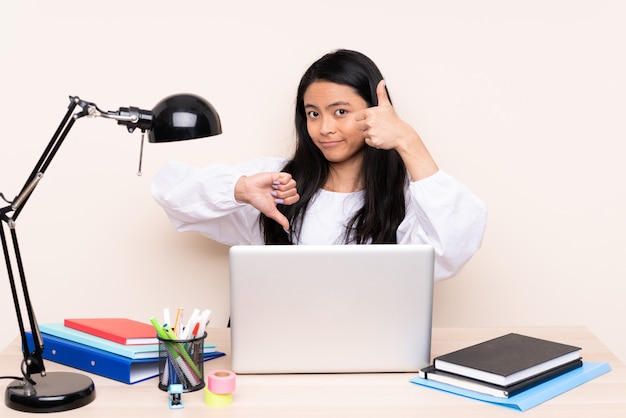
<point x="350" y="395"/>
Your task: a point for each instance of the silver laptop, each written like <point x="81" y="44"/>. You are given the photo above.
<point x="330" y="309"/>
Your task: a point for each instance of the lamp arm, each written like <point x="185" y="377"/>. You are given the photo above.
<point x="44" y="161"/>
<point x="32" y="359"/>
<point x="132" y="117"/>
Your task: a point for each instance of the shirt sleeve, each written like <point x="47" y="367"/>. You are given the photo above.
<point x="444" y="213"/>
<point x="201" y="199"/>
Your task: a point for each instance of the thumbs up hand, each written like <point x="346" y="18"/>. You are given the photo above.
<point x="382" y="128"/>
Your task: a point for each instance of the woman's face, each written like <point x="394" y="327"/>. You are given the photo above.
<point x="330" y="110"/>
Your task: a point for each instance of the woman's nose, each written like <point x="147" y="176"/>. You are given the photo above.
<point x="327" y="126"/>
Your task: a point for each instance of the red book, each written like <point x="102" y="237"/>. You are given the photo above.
<point x="121" y="330"/>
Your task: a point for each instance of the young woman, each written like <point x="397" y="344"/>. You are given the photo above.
<point x="359" y="175"/>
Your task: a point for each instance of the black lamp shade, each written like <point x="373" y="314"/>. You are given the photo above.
<point x="183" y="116"/>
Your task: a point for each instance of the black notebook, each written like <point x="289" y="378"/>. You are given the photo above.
<point x="507" y="359"/>
<point x="496" y="390"/>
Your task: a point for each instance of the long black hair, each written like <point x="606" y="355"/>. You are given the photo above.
<point x="383" y="171"/>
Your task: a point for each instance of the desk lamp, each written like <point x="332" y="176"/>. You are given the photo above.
<point x="175" y="118"/>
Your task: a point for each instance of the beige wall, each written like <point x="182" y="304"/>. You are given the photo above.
<point x="522" y="101"/>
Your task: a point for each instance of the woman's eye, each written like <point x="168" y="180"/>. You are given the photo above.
<point x="341" y="112"/>
<point x="312" y="114"/>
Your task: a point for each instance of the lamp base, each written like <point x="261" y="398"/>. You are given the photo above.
<point x="54" y="392"/>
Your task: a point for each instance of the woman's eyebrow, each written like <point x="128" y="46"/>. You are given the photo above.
<point x="331" y="105"/>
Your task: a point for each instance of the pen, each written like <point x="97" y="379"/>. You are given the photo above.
<point x="197" y="348"/>
<point x="165" y="376"/>
<point x="204" y="320"/>
<point x="179" y="317"/>
<point x="186" y="332"/>
<point x="167" y="319"/>
<point x="159" y="329"/>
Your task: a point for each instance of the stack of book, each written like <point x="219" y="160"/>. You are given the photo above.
<point x="117" y="348"/>
<point x="513" y="370"/>
<point x="504" y="366"/>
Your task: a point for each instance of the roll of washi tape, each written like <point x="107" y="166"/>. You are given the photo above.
<point x="221" y="382"/>
<point x="216" y="399"/>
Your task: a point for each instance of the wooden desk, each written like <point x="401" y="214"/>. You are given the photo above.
<point x="351" y="395"/>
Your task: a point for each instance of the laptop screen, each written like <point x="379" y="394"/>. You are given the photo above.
<point x="331" y="309"/>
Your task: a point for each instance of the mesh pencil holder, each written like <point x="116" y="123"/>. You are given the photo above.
<point x="181" y="361"/>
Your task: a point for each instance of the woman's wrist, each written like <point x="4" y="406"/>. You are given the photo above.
<point x="240" y="190"/>
<point x="417" y="159"/>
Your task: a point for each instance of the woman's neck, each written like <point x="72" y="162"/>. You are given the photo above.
<point x="344" y="178"/>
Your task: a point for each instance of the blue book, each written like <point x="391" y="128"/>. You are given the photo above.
<point x="100" y="362"/>
<point x="144" y="351"/>
<point x="530" y="397"/>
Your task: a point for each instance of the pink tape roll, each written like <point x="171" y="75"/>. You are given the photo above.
<point x="221" y="382"/>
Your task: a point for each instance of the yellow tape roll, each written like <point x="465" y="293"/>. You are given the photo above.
<point x="214" y="399"/>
